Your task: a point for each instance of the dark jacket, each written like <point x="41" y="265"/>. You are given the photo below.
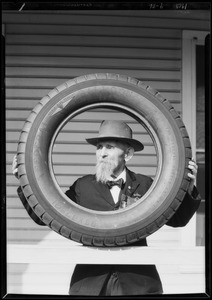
<point x="134" y="279"/>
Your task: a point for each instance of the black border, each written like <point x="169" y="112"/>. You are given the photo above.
<point x="104" y="5"/>
<point x="3" y="172"/>
<point x="208" y="136"/>
<point x="109" y="5"/>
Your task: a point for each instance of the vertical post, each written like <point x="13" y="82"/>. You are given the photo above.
<point x="189" y="41"/>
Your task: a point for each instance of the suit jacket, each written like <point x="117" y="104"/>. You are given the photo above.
<point x="134" y="279"/>
<point x="89" y="193"/>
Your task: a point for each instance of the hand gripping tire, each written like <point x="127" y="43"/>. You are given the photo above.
<point x="98" y="228"/>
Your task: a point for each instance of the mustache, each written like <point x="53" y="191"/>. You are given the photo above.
<point x="104" y="162"/>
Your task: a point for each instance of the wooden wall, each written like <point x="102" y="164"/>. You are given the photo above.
<point x="46" y="48"/>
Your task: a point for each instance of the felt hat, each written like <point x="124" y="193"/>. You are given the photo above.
<point x="118" y="131"/>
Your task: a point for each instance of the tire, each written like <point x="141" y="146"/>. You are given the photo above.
<point x="97" y="228"/>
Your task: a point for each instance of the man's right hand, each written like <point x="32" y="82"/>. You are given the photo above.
<point x="15" y="167"/>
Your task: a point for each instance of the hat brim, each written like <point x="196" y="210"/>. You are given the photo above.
<point x="136" y="145"/>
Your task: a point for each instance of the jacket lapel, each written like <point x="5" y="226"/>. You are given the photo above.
<point x="104" y="192"/>
<point x="129" y="189"/>
<point x="131" y="184"/>
<point x="126" y="195"/>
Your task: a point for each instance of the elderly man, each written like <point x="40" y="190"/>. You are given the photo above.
<point x="106" y="190"/>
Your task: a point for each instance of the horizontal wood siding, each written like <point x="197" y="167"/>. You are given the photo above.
<point x="46" y="48"/>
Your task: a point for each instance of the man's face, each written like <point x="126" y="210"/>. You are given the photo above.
<point x="110" y="160"/>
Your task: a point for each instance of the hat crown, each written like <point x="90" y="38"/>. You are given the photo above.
<point x="118" y="131"/>
<point x="115" y="129"/>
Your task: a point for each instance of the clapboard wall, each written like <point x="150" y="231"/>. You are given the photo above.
<point x="46" y="48"/>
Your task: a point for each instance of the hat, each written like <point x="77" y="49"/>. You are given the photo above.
<point x="116" y="130"/>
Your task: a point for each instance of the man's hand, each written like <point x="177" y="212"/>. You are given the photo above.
<point x="193" y="174"/>
<point x="15" y="167"/>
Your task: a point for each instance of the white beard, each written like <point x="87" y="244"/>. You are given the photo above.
<point x="104" y="170"/>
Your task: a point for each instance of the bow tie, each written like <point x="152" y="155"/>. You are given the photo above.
<point x="118" y="182"/>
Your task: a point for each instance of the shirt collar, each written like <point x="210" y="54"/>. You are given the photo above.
<point x="123" y="175"/>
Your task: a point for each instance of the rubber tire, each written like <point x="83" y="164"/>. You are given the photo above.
<point x="89" y="227"/>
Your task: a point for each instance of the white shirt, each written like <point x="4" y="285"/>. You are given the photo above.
<point x="115" y="190"/>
